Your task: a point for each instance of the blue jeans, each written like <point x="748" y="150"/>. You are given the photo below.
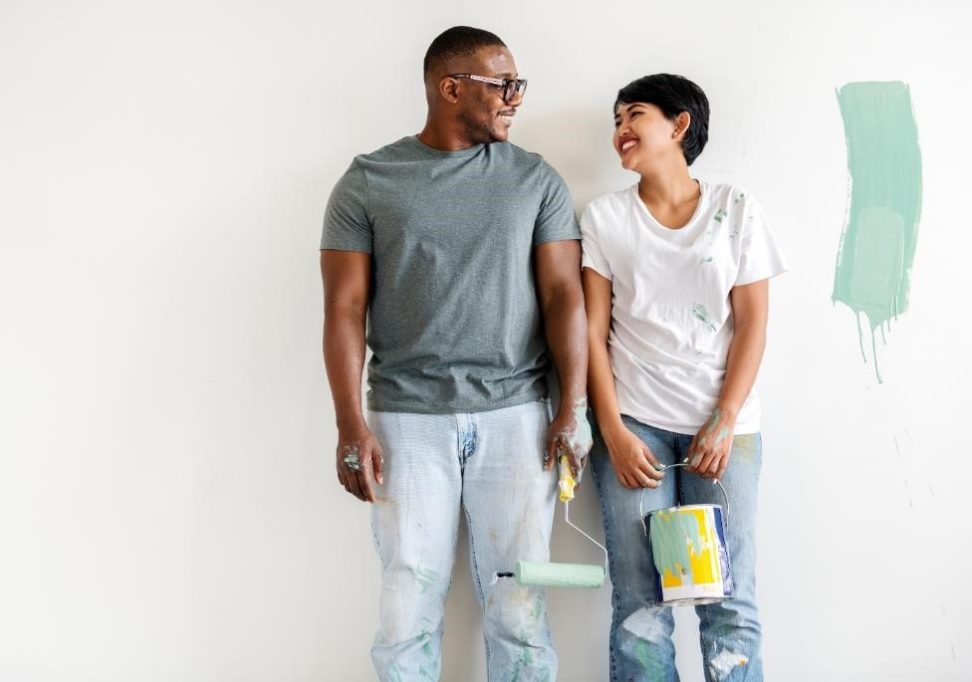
<point x="641" y="645"/>
<point x="490" y="466"/>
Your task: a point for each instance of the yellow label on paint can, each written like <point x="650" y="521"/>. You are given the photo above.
<point x="689" y="554"/>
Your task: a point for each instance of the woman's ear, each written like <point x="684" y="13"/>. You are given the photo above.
<point x="682" y="123"/>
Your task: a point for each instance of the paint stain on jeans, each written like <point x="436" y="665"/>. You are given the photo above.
<point x="724" y="663"/>
<point x="654" y="668"/>
<point x="744" y="447"/>
<point x="424" y="576"/>
<point x="645" y="624"/>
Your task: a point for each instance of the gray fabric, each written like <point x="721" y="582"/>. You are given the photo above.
<point x="453" y="322"/>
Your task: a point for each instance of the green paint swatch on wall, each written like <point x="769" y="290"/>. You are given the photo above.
<point x="877" y="246"/>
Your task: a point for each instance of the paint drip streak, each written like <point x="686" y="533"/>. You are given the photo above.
<point x="878" y="242"/>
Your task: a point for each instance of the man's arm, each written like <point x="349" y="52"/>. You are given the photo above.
<point x="347" y="278"/>
<point x="557" y="267"/>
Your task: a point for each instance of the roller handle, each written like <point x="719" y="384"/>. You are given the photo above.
<point x="567" y="483"/>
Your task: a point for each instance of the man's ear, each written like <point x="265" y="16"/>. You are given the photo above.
<point x="449" y="89"/>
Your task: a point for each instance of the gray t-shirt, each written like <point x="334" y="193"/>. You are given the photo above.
<point x="453" y="321"/>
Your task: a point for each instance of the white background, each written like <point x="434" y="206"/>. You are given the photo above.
<point x="168" y="504"/>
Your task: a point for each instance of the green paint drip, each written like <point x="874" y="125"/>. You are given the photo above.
<point x="702" y="314"/>
<point x="877" y="246"/>
<point x="671" y="541"/>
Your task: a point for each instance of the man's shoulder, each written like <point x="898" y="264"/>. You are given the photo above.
<point x="393" y="151"/>
<point x="519" y="156"/>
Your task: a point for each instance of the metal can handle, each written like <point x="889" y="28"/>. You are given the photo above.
<point x="641" y="501"/>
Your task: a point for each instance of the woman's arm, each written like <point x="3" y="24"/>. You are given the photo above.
<point x="711" y="447"/>
<point x="634" y="464"/>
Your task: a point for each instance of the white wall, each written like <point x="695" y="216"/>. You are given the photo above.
<point x="168" y="506"/>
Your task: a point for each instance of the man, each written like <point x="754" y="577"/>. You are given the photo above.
<point x="463" y="252"/>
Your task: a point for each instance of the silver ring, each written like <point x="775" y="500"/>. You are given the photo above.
<point x="352" y="462"/>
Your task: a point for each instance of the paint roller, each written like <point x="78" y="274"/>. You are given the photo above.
<point x="548" y="574"/>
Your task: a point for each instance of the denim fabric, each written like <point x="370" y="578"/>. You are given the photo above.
<point x="641" y="647"/>
<point x="490" y="466"/>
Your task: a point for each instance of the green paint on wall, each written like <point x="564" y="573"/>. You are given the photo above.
<point x="877" y="246"/>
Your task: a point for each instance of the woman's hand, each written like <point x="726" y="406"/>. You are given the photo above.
<point x="634" y="464"/>
<point x="709" y="453"/>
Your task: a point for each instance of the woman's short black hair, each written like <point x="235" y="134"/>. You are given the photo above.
<point x="673" y="95"/>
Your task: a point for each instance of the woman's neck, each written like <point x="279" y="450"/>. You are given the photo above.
<point x="671" y="197"/>
<point x="668" y="190"/>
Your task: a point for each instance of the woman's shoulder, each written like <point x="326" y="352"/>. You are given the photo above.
<point x="609" y="205"/>
<point x="726" y="190"/>
<point x="728" y="195"/>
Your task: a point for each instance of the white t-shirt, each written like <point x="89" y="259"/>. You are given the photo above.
<point x="671" y="317"/>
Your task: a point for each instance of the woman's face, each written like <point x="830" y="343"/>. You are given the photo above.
<point x="643" y="136"/>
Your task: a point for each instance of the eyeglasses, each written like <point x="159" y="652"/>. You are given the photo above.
<point x="511" y="86"/>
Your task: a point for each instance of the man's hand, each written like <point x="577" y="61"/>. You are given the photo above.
<point x="569" y="434"/>
<point x="359" y="463"/>
<point x="710" y="449"/>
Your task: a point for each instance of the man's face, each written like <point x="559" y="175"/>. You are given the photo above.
<point x="486" y="117"/>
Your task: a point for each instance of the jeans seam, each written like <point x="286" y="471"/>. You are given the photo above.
<point x="608" y="535"/>
<point x="479" y="586"/>
<point x="473" y="439"/>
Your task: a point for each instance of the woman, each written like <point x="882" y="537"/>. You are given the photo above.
<point x="676" y="274"/>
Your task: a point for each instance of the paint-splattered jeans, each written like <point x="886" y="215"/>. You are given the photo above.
<point x="490" y="466"/>
<point x="641" y="645"/>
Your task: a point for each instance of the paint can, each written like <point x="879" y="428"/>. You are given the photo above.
<point x="690" y="563"/>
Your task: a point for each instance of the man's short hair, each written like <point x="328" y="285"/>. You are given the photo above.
<point x="458" y="41"/>
<point x="673" y="95"/>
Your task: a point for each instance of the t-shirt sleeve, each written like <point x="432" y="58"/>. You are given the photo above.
<point x="592" y="248"/>
<point x="556" y="220"/>
<point x="346" y="223"/>
<point x="760" y="257"/>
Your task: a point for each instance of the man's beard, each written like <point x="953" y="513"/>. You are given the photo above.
<point x="478" y="132"/>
